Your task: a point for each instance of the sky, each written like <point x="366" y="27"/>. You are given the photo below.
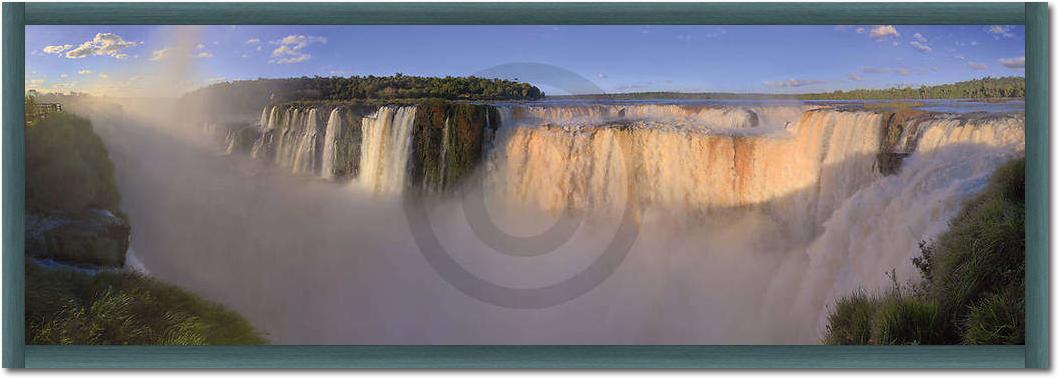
<point x="135" y="60"/>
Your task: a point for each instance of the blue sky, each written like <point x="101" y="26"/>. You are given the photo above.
<point x="121" y="59"/>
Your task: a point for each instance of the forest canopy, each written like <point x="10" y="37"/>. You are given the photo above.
<point x="988" y="87"/>
<point x="378" y="87"/>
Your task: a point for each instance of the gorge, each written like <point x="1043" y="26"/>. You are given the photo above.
<point x="753" y="217"/>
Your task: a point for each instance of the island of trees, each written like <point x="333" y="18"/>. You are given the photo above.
<point x="988" y="87"/>
<point x="398" y="86"/>
<point x="984" y="88"/>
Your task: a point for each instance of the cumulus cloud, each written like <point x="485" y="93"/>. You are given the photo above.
<point x="793" y="83"/>
<point x="1000" y="31"/>
<point x="1013" y="63"/>
<point x="84" y="72"/>
<point x="104" y="44"/>
<point x="56" y="49"/>
<point x="291" y="48"/>
<point x="160" y="54"/>
<point x="977" y="66"/>
<point x="204" y="54"/>
<point x="922" y="47"/>
<point x="884" y="31"/>
<point x="200" y="46"/>
<point x="253" y="41"/>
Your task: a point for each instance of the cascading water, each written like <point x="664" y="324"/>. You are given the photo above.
<point x="334" y="126"/>
<point x="753" y="219"/>
<point x="385" y="149"/>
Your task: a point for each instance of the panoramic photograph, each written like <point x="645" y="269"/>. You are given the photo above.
<point x="525" y="185"/>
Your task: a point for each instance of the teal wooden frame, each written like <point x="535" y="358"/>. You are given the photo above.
<point x="1034" y="354"/>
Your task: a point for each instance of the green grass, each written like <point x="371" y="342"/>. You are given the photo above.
<point x="122" y="308"/>
<point x="973" y="280"/>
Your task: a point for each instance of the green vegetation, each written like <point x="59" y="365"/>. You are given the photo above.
<point x="972" y="289"/>
<point x="988" y="87"/>
<point x="68" y="168"/>
<point x="448" y="142"/>
<point x="122" y="308"/>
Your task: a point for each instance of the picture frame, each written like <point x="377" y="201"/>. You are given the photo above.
<point x="1034" y="354"/>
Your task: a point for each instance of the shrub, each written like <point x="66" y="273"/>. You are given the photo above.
<point x="850" y="321"/>
<point x="996" y="319"/>
<point x="902" y="319"/>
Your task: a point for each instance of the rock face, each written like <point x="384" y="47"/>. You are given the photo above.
<point x="449" y="142"/>
<point x="95" y="237"/>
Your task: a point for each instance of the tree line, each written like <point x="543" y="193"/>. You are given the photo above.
<point x="988" y="87"/>
<point x="394" y="87"/>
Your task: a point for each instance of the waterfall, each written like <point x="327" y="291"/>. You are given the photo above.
<point x="334" y="125"/>
<point x="825" y="158"/>
<point x="385" y="149"/>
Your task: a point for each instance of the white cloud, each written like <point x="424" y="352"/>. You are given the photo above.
<point x="104" y="44"/>
<point x="860" y="30"/>
<point x="600" y="75"/>
<point x="290" y="49"/>
<point x="921" y="46"/>
<point x="204" y="54"/>
<point x="56" y="49"/>
<point x="1013" y="63"/>
<point x="244" y="56"/>
<point x="37" y="81"/>
<point x="903" y="71"/>
<point x="977" y="66"/>
<point x="216" y="79"/>
<point x="200" y="46"/>
<point x="919" y="37"/>
<point x="793" y="83"/>
<point x="253" y="41"/>
<point x="160" y="54"/>
<point x="63" y="76"/>
<point x="884" y="31"/>
<point x="84" y="72"/>
<point x="1000" y="31"/>
<point x="959" y="57"/>
<point x="104" y="76"/>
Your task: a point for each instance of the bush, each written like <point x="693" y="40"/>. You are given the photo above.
<point x="850" y="322"/>
<point x="122" y="308"/>
<point x="996" y="319"/>
<point x="902" y="319"/>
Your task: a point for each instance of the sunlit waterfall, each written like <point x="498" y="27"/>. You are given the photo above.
<point x="385" y="148"/>
<point x="334" y="125"/>
<point x="822" y="159"/>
